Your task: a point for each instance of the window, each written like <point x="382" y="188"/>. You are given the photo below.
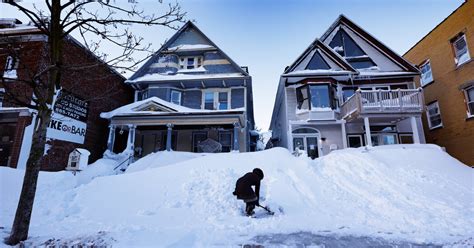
<point x="225" y="139"/>
<point x="187" y="63"/>
<point x="433" y="115"/>
<point x="176" y="97"/>
<point x="317" y="62"/>
<point x="223" y="100"/>
<point x="2" y="93"/>
<point x="144" y="94"/>
<point x="315" y="97"/>
<point x="343" y="44"/>
<point x="347" y="92"/>
<point x="354" y="140"/>
<point x="217" y="100"/>
<point x="10" y="68"/>
<point x="319" y="96"/>
<point x="470" y="101"/>
<point x="302" y="97"/>
<point x="461" y="52"/>
<point x="209" y="100"/>
<point x="426" y="75"/>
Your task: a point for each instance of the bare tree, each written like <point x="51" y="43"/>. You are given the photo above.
<point x="107" y="20"/>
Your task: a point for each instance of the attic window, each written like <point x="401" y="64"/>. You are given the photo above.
<point x="188" y="63"/>
<point x="317" y="62"/>
<point x="345" y="46"/>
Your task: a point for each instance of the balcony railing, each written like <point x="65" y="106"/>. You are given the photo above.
<point x="383" y="101"/>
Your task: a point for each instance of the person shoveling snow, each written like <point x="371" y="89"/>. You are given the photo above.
<point x="244" y="191"/>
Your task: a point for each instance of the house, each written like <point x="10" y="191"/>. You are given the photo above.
<point x="85" y="89"/>
<point x="445" y="57"/>
<point x="347" y="89"/>
<point x="189" y="96"/>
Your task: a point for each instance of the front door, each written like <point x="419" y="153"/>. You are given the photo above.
<point x="309" y="144"/>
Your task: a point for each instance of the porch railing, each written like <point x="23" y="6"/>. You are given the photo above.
<point x="383" y="101"/>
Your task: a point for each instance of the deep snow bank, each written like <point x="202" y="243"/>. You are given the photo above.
<point x="411" y="192"/>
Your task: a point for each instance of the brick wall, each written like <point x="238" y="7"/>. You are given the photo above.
<point x="457" y="133"/>
<point x="97" y="83"/>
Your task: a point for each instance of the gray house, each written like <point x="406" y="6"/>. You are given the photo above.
<point x="347" y="89"/>
<point x="190" y="96"/>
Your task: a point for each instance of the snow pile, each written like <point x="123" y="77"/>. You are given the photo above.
<point x="402" y="192"/>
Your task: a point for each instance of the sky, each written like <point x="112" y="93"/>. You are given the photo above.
<point x="268" y="35"/>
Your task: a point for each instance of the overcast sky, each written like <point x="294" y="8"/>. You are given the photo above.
<point x="267" y="35"/>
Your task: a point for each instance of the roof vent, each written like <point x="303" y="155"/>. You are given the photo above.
<point x="245" y="68"/>
<point x="9" y="22"/>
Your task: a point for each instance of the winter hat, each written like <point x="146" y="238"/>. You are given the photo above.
<point x="259" y="172"/>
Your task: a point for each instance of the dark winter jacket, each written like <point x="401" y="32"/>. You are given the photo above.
<point x="243" y="187"/>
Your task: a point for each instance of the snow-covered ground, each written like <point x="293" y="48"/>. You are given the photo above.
<point x="402" y="193"/>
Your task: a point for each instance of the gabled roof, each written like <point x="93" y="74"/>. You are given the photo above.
<point x="319" y="54"/>
<point x="179" y="33"/>
<point x="375" y="43"/>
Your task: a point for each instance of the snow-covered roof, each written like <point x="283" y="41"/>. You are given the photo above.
<point x="23" y="28"/>
<point x="182" y="76"/>
<point x="83" y="151"/>
<point x="160" y="107"/>
<point x="187" y="47"/>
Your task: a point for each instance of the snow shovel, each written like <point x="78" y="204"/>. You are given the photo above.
<point x="268" y="210"/>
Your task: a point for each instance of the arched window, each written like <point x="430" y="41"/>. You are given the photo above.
<point x="307" y="130"/>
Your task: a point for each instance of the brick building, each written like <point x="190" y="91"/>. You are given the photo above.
<point x="95" y="83"/>
<point x="445" y="57"/>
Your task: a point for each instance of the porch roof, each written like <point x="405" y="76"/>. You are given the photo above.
<point x="207" y="118"/>
<point x="159" y="108"/>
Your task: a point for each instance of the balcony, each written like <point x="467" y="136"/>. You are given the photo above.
<point x="375" y="102"/>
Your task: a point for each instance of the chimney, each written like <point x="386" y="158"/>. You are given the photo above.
<point x="245" y="68"/>
<point x="9" y="22"/>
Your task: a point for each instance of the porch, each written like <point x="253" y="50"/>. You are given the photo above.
<point x="383" y="102"/>
<point x="137" y="136"/>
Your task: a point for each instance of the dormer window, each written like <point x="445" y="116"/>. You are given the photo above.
<point x="188" y="63"/>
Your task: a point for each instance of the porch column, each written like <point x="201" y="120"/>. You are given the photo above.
<point x="168" y="136"/>
<point x="111" y="140"/>
<point x="367" y="131"/>
<point x="236" y="137"/>
<point x="414" y="128"/>
<point x="344" y="136"/>
<point x="131" y="138"/>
